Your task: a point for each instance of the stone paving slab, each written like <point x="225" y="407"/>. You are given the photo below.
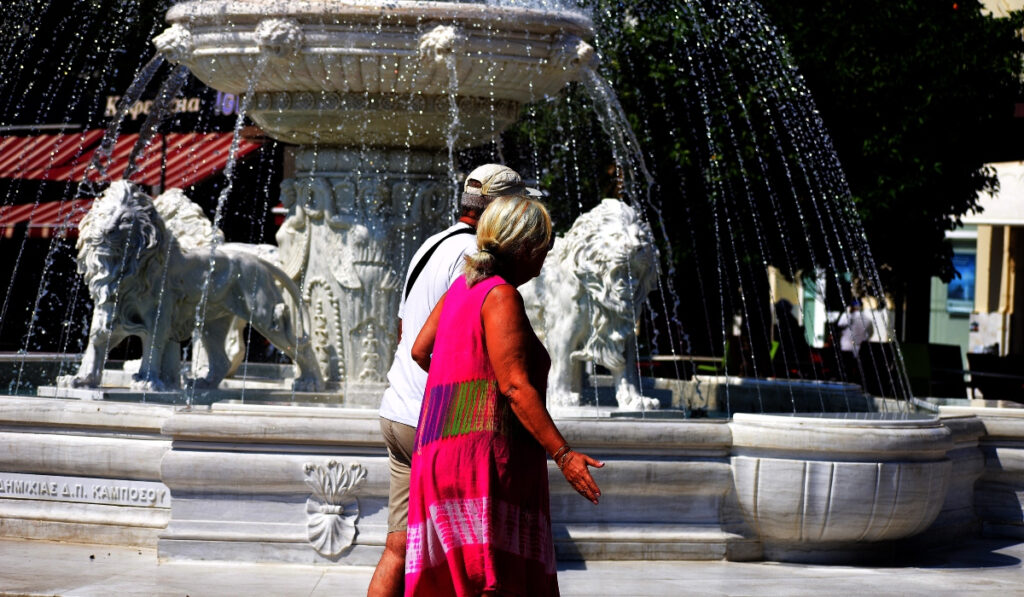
<point x="983" y="567"/>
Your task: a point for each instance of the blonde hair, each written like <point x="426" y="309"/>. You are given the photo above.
<point x="510" y="229"/>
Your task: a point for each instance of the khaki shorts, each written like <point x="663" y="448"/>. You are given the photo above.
<point x="400" y="440"/>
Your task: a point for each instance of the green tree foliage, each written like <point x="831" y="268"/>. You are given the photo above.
<point x="918" y="96"/>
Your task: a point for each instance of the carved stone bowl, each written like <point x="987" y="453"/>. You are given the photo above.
<point x="397" y="73"/>
<point x="826" y="487"/>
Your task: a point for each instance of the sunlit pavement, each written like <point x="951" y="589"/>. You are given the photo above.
<point x="982" y="567"/>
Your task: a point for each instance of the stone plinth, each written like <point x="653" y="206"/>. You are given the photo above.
<point x="240" y="476"/>
<point x="85" y="472"/>
<point x="288" y="484"/>
<point x="958" y="517"/>
<point x="827" y="487"/>
<point x="665" y="493"/>
<point x="309" y="484"/>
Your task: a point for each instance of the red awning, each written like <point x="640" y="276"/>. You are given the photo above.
<point x="187" y="159"/>
<point x="190" y="157"/>
<point x="41" y="219"/>
<point x="33" y="157"/>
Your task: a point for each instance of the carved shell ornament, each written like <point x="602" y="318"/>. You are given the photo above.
<point x="279" y="37"/>
<point x="332" y="510"/>
<point x="175" y="44"/>
<point x="440" y="42"/>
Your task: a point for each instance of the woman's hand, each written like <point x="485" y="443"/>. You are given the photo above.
<point x="575" y="468"/>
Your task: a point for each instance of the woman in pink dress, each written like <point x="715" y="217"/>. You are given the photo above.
<point x="479" y="513"/>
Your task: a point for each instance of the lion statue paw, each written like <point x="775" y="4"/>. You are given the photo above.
<point x="563" y="398"/>
<point x="81" y="381"/>
<point x="629" y="398"/>
<point x="144" y="383"/>
<point x="307" y="384"/>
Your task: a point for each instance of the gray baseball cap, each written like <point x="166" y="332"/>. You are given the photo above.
<point x="494" y="180"/>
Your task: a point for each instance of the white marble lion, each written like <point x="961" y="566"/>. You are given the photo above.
<point x="587" y="300"/>
<point x="145" y="282"/>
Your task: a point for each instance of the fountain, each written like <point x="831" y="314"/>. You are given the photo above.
<point x="373" y="96"/>
<point x="378" y="97"/>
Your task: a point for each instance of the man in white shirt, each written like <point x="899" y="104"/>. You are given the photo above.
<point x="856" y="328"/>
<point x="433" y="268"/>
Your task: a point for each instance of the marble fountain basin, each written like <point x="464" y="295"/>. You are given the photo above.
<point x="827" y="487"/>
<point x="235" y="482"/>
<point x="385" y="74"/>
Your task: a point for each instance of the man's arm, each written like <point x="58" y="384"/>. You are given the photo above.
<point x="423" y="347"/>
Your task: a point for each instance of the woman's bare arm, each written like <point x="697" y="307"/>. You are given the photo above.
<point x="509" y="338"/>
<point x="423" y="347"/>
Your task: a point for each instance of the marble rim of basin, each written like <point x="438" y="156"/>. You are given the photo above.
<point x="866" y="437"/>
<point x="379" y="74"/>
<point x="738" y="380"/>
<point x="818" y="487"/>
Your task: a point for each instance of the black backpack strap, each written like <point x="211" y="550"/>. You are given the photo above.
<point x="426" y="257"/>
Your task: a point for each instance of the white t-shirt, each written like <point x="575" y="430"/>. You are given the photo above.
<point x="406" y="381"/>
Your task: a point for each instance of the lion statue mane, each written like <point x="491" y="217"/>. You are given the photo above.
<point x="144" y="281"/>
<point x="587" y="299"/>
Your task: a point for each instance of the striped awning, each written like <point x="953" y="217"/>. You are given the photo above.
<point x="185" y="158"/>
<point x="44" y="218"/>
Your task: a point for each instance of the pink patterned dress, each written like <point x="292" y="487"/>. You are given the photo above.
<point x="479" y="513"/>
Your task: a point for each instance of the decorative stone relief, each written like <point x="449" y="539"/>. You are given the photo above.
<point x="370" y="370"/>
<point x="588" y="297"/>
<point x="439" y="105"/>
<point x="367" y="211"/>
<point x="175" y="43"/>
<point x="279" y="37"/>
<point x="327" y="326"/>
<point x="573" y="54"/>
<point x="440" y="42"/>
<point x="293" y="235"/>
<point x="332" y="509"/>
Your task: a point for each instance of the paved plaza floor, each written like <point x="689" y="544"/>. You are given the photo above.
<point x="982" y="567"/>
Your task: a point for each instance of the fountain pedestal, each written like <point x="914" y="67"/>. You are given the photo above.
<point x="353" y="218"/>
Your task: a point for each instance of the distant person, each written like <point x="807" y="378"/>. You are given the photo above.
<point x="855" y="328"/>
<point x="434" y="266"/>
<point x="794" y="353"/>
<point x="479" y="507"/>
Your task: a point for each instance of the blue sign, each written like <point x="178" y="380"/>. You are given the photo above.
<point x="960" y="291"/>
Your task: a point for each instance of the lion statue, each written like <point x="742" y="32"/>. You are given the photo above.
<point x="192" y="230"/>
<point x="587" y="299"/>
<point x="144" y="283"/>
